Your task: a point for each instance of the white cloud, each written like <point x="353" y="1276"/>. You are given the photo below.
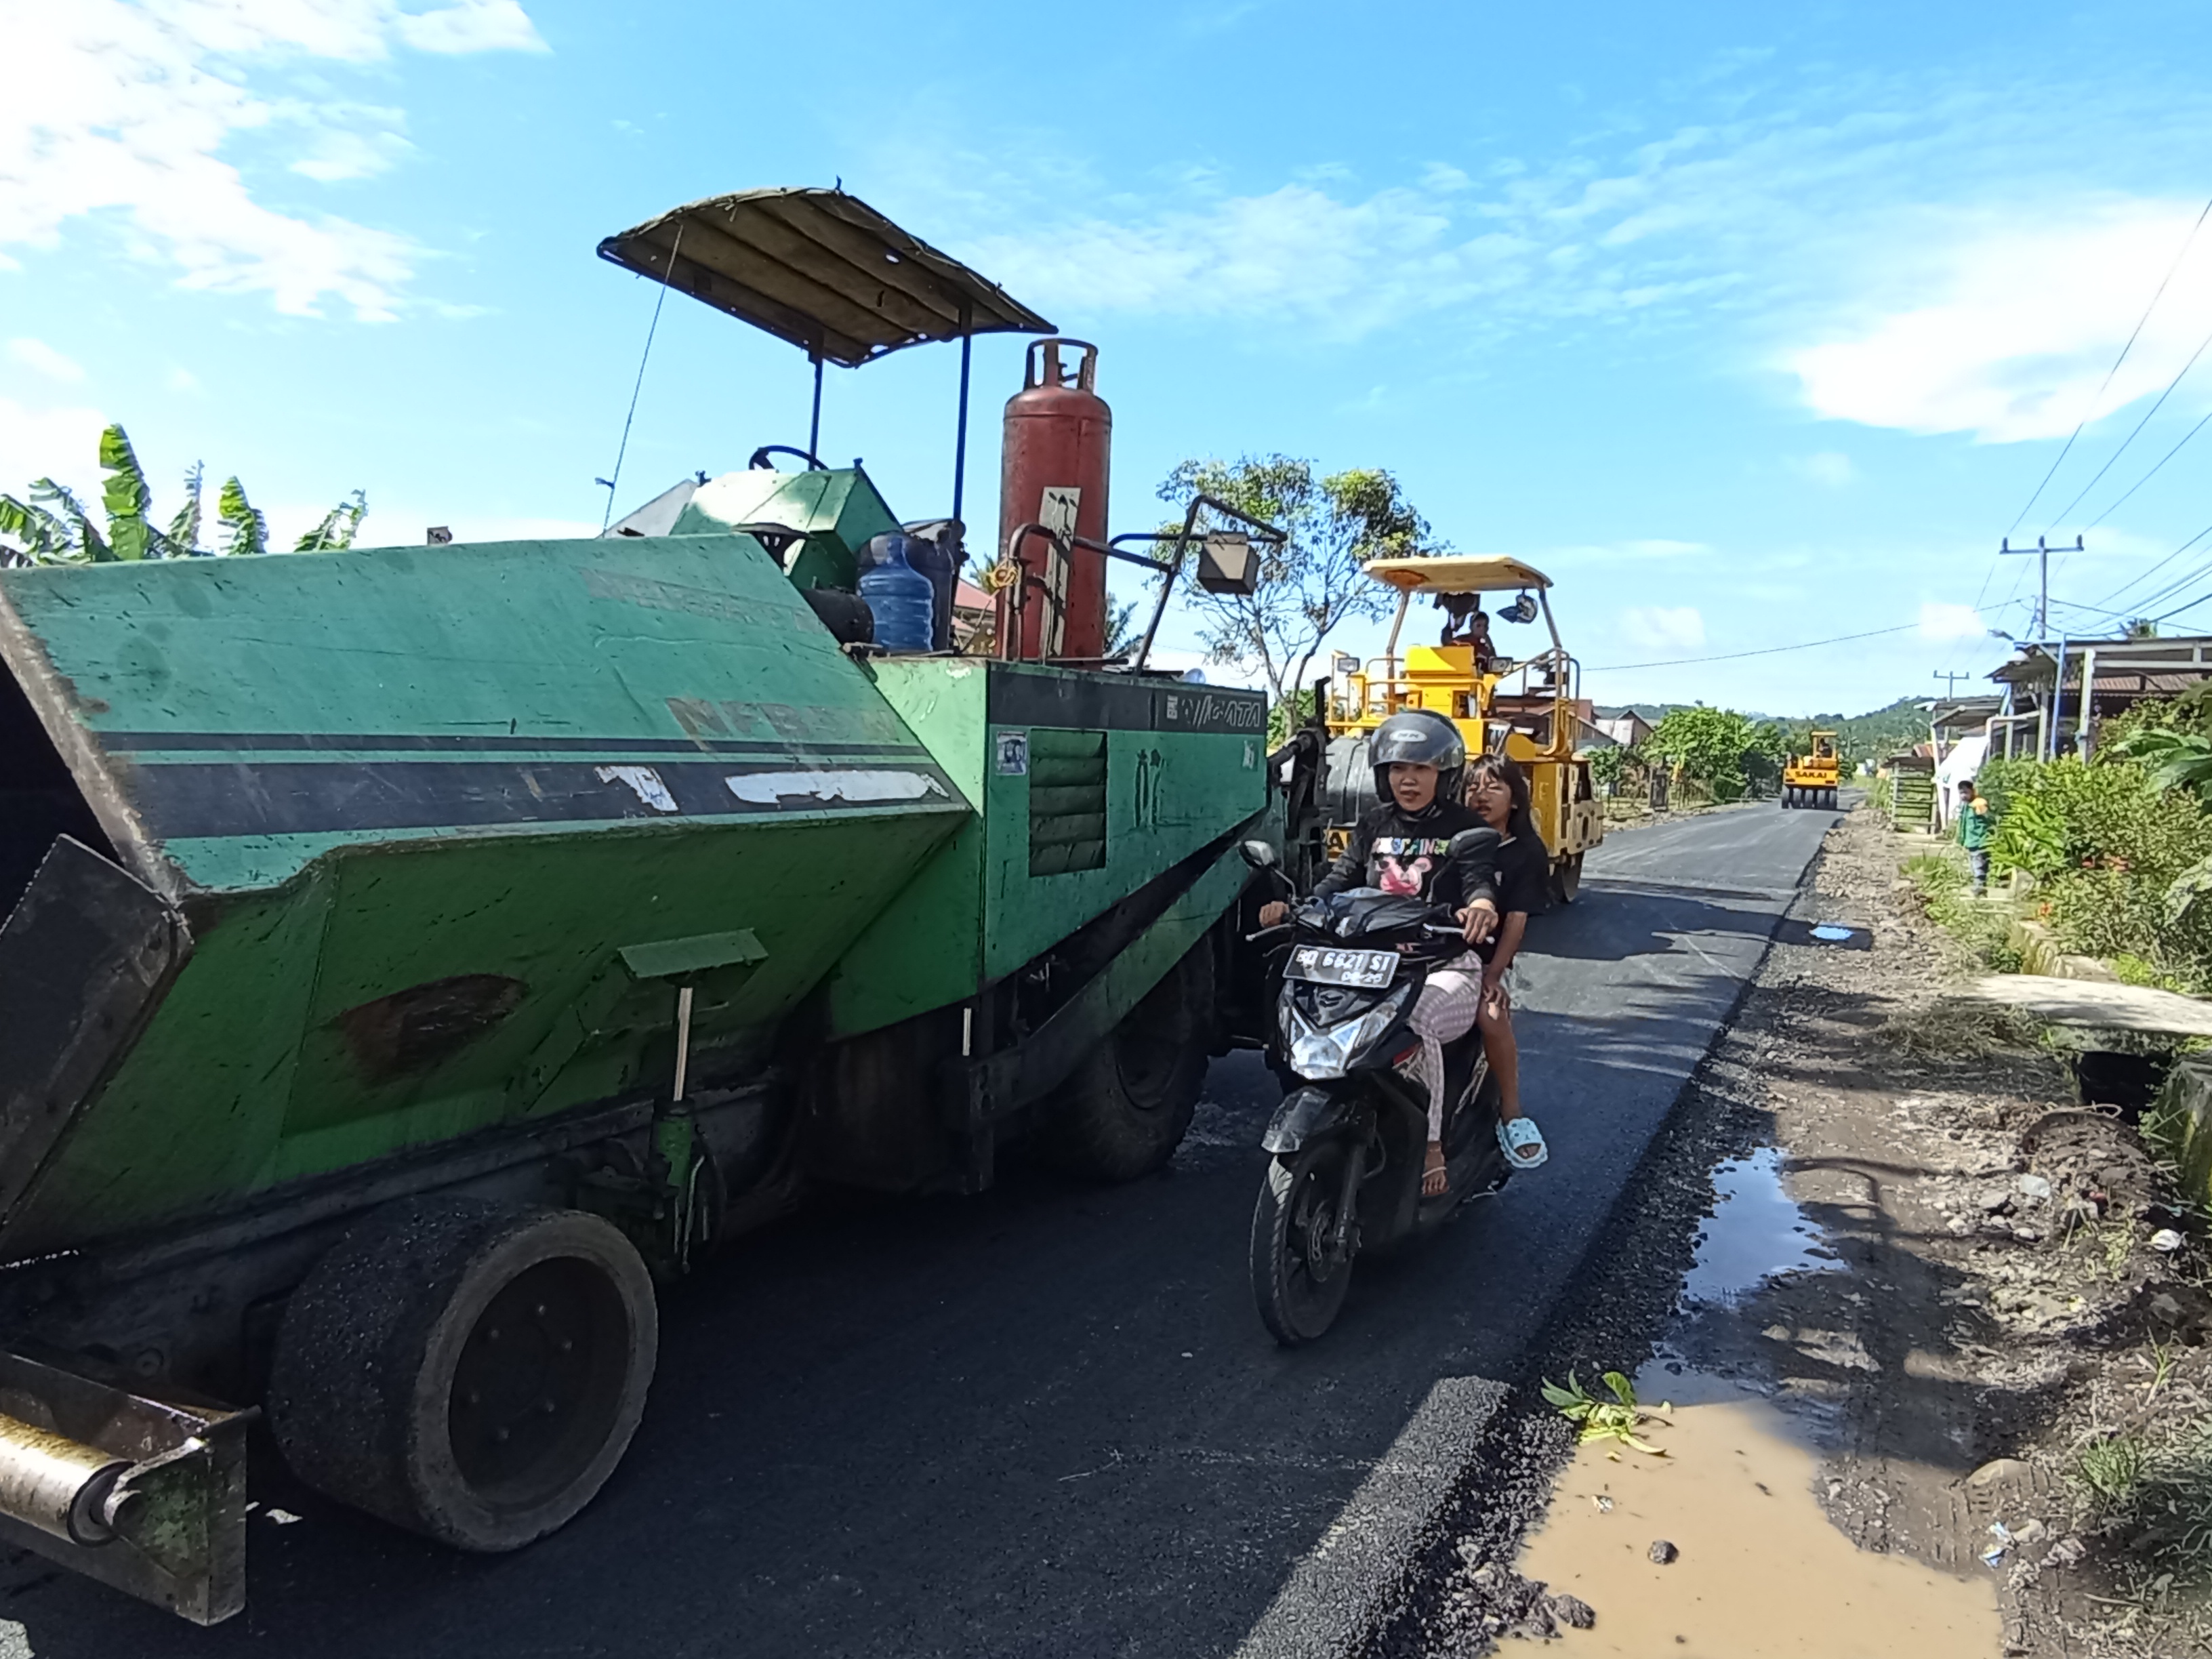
<point x="1663" y="627"/>
<point x="62" y="444"/>
<point x="1813" y="220"/>
<point x="472" y="25"/>
<point x="1830" y="468"/>
<point x="133" y="107"/>
<point x="41" y="358"/>
<point x="1951" y="622"/>
<point x="340" y="154"/>
<point x="1295" y="252"/>
<point x="2012" y="324"/>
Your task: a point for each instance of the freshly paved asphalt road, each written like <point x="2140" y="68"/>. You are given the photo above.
<point x="1047" y="1420"/>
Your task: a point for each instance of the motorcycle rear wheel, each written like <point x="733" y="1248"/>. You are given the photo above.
<point x="1299" y="1287"/>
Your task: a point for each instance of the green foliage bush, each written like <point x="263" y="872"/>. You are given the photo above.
<point x="1708" y="746"/>
<point x="2104" y="844"/>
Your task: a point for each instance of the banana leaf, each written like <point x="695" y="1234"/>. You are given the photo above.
<point x="126" y="497"/>
<point x="339" y="526"/>
<point x="185" y="528"/>
<point x="245" y="530"/>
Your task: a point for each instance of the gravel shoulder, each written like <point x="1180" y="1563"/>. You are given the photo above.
<point x="2004" y="1377"/>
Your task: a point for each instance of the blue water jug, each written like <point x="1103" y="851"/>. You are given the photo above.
<point x="902" y="600"/>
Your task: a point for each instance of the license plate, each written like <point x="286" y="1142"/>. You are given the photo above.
<point x="1369" y="969"/>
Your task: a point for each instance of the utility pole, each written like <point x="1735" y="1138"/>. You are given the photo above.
<point x="2043" y="577"/>
<point x="1950" y="679"/>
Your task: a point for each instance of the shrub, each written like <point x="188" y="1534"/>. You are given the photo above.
<point x="2106" y="845"/>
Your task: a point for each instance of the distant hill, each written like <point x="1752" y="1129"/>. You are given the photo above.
<point x="1874" y="735"/>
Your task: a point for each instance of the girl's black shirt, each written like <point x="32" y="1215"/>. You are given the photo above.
<point x="1409" y="853"/>
<point x="1524" y="876"/>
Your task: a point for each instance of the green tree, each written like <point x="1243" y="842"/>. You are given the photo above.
<point x="1606" y="766"/>
<point x="1316" y="579"/>
<point x="53" y="527"/>
<point x="1706" y="744"/>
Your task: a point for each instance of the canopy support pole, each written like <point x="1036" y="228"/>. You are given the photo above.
<point x="960" y="438"/>
<point x="814" y="425"/>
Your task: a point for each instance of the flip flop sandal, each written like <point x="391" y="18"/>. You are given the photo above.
<point x="1516" y="1134"/>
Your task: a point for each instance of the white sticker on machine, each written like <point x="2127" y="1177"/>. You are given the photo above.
<point x="1013" y="754"/>
<point x="1056" y="509"/>
<point x="773" y="788"/>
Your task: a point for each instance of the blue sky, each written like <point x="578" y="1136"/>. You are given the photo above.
<point x="1751" y="325"/>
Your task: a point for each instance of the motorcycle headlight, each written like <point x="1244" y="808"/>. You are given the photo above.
<point x="1327" y="1051"/>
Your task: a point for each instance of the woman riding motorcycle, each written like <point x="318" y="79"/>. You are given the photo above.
<point x="1405" y="846"/>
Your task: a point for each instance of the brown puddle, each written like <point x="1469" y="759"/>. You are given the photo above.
<point x="1761" y="1570"/>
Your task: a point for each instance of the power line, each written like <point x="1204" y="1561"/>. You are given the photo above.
<point x="2147" y="477"/>
<point x="2192" y="605"/>
<point x="2179" y="609"/>
<point x="1766" y="651"/>
<point x="2146" y="575"/>
<point x="2185" y="243"/>
<point x="2131" y="436"/>
<point x="2145" y="601"/>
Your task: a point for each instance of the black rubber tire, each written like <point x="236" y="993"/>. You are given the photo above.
<point x="1297" y="1202"/>
<point x="1125" y="1108"/>
<point x="389" y="1348"/>
<point x="1567" y="879"/>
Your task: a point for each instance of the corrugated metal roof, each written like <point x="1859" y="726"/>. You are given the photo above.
<point x="2177" y="663"/>
<point x="820" y="268"/>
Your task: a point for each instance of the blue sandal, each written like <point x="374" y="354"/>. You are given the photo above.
<point x="1517" y="1136"/>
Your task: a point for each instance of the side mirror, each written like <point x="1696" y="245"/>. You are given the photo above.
<point x="1258" y="854"/>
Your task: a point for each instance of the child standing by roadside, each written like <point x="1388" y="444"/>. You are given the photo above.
<point x="1977" y="825"/>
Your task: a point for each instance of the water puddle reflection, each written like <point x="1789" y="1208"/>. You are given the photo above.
<point x="1758" y="1570"/>
<point x="1756" y="1232"/>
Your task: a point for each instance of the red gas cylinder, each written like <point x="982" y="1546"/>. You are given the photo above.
<point x="1052" y="472"/>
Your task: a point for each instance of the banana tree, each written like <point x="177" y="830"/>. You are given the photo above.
<point x="53" y="527"/>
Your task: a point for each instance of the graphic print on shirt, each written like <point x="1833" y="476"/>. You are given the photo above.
<point x="1402" y="865"/>
<point x="1391" y="878"/>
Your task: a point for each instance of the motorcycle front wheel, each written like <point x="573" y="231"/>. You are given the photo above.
<point x="1297" y="1278"/>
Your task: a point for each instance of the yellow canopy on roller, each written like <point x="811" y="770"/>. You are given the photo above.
<point x="1457" y="572"/>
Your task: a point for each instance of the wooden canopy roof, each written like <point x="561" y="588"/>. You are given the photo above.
<point x="820" y="268"/>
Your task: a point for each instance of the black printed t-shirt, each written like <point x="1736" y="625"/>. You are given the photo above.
<point x="1524" y="876"/>
<point x="1409" y="853"/>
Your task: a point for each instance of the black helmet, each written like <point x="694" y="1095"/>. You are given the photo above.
<point x="1424" y="737"/>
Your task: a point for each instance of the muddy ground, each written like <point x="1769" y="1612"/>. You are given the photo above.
<point x="2001" y="1374"/>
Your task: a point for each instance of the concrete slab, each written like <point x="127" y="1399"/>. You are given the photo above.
<point x="2098" y="1002"/>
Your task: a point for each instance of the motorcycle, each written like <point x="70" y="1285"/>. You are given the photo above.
<point x="1349" y="1140"/>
